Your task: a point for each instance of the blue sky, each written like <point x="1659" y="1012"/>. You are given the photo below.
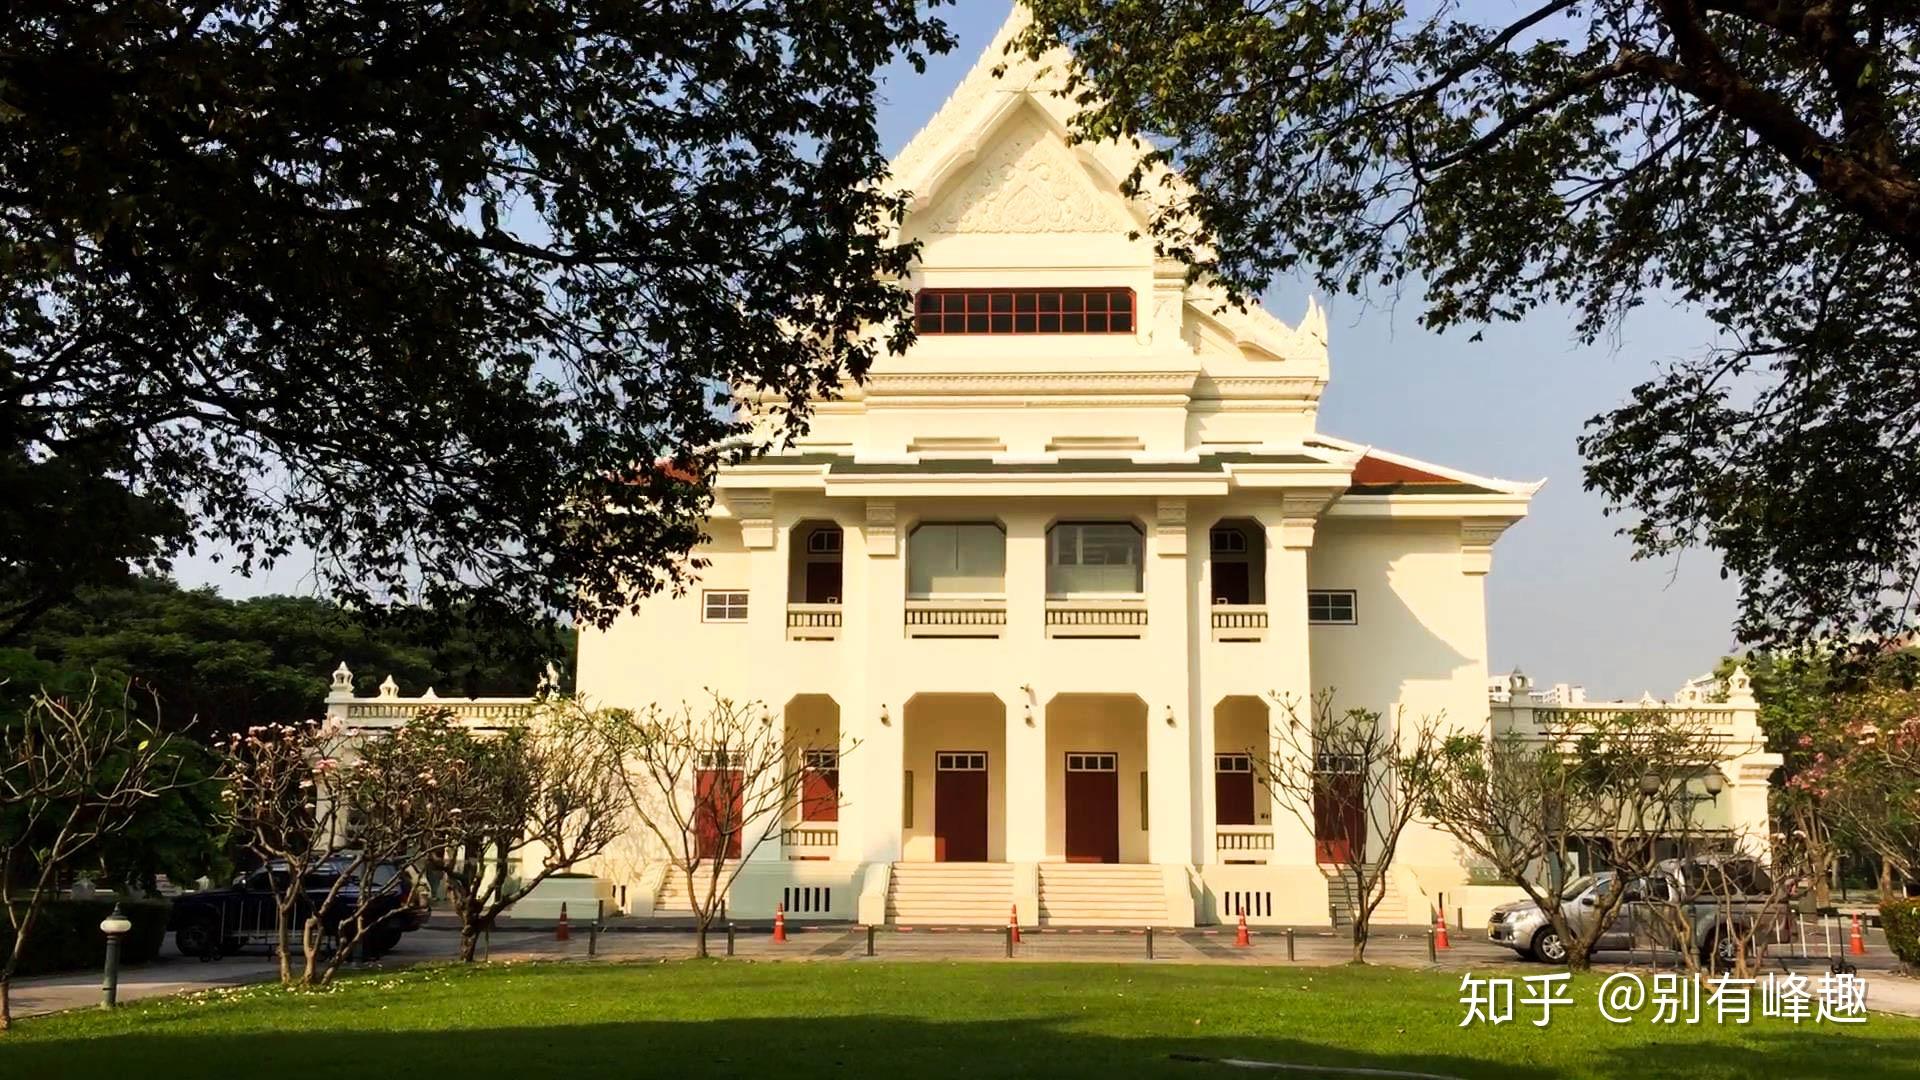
<point x="1565" y="601"/>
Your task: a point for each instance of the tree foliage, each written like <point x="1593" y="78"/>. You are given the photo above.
<point x="74" y="772"/>
<point x="711" y="783"/>
<point x="1754" y="158"/>
<point x="230" y="664"/>
<point x="505" y="810"/>
<point x="1526" y="802"/>
<point x="1355" y="776"/>
<point x="427" y="294"/>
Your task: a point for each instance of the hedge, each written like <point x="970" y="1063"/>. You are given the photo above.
<point x="1901" y="920"/>
<point x="66" y="935"/>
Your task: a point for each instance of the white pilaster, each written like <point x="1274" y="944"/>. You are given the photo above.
<point x="1170" y="717"/>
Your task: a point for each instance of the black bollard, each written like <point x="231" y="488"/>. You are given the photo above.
<point x="729" y="939"/>
<point x="869" y="939"/>
<point x="1149" y="942"/>
<point x="1432" y="956"/>
<point x="1009" y="936"/>
<point x="593" y="939"/>
<point x="1289" y="944"/>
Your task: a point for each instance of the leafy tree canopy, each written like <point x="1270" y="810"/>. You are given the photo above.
<point x="1755" y="158"/>
<point x="431" y="291"/>
<point x="226" y="665"/>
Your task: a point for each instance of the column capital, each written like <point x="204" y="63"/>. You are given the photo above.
<point x="1170" y="527"/>
<point x="882" y="541"/>
<point x="1299" y="512"/>
<point x="1476" y="543"/>
<point x="753" y="509"/>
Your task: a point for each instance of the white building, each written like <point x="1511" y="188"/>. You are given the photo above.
<point x="1052" y="569"/>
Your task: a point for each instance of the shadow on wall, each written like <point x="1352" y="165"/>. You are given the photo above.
<point x="1392" y="649"/>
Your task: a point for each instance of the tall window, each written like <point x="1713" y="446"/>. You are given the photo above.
<point x="961" y="558"/>
<point x="1094" y="557"/>
<point x="1024" y="311"/>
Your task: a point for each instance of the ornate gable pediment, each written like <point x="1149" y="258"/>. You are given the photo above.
<point x="1027" y="181"/>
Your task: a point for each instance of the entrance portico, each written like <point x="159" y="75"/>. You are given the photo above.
<point x="954" y="779"/>
<point x="1097" y="782"/>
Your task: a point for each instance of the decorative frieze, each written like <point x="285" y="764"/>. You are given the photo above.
<point x="880" y="534"/>
<point x="1476" y="543"/>
<point x="1299" y="513"/>
<point x="754" y="511"/>
<point x="1170" y="528"/>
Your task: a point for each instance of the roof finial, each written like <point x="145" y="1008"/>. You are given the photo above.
<point x="1314" y="322"/>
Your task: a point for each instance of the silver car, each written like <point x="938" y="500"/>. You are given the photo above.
<point x="1645" y="916"/>
<point x="1523" y="927"/>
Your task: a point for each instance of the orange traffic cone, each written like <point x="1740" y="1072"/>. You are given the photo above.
<point x="1240" y="938"/>
<point x="563" y="930"/>
<point x="1440" y="929"/>
<point x="1856" y="945"/>
<point x="1013" y="923"/>
<point x="780" y="923"/>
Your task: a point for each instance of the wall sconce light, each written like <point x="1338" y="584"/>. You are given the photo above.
<point x="884" y="719"/>
<point x="1716" y="783"/>
<point x="1169" y="716"/>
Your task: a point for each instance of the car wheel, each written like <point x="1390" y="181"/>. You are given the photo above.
<point x="1721" y="952"/>
<point x="200" y="938"/>
<point x="1547" y="946"/>
<point x="380" y="941"/>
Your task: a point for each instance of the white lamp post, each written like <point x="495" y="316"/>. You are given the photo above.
<point x="115" y="925"/>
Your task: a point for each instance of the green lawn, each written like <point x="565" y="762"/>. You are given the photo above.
<point x="914" y="1020"/>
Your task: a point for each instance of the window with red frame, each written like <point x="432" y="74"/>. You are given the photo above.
<point x="820" y="786"/>
<point x="1024" y="311"/>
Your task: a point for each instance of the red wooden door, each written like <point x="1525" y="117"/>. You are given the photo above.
<point x="716" y="811"/>
<point x="1232" y="789"/>
<point x="960" y="806"/>
<point x="823" y="583"/>
<point x="1339" y="819"/>
<point x="1093" y="808"/>
<point x="1230" y="583"/>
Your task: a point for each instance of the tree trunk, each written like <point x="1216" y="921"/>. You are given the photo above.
<point x="469" y="939"/>
<point x="1360" y="938"/>
<point x="6" y="1002"/>
<point x="1886" y="878"/>
<point x="700" y="937"/>
<point x="1578" y="958"/>
<point x="285" y="950"/>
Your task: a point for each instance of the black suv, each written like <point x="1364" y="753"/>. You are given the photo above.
<point x="217" y="922"/>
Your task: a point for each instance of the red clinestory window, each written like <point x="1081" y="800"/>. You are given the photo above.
<point x="1024" y="311"/>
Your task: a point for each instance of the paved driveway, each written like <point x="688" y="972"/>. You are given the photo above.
<point x="1403" y="946"/>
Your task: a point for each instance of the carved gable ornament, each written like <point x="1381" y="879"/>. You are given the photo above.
<point x="1028" y="182"/>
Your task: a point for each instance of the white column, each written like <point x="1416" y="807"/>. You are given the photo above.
<point x="766" y="544"/>
<point x="878" y="762"/>
<point x="1287" y="654"/>
<point x="1025" y="774"/>
<point x="1169" y="706"/>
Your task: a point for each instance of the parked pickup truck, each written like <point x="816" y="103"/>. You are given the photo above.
<point x="1720" y="899"/>
<point x="218" y="922"/>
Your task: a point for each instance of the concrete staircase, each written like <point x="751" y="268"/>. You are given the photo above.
<point x="673" y="899"/>
<point x="1102" y="894"/>
<point x="1341" y="899"/>
<point x="950" y="893"/>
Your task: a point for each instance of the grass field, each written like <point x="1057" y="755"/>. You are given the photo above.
<point x="917" y="1020"/>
